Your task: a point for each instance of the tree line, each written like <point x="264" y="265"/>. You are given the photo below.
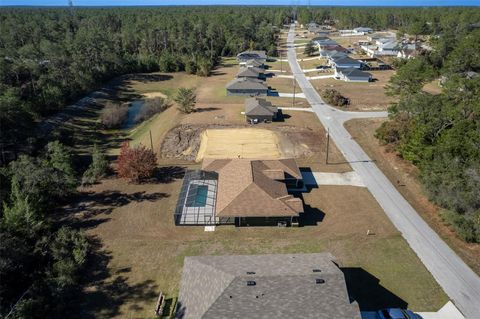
<point x="50" y="57"/>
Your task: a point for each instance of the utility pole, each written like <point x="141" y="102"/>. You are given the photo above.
<point x="328" y="142"/>
<point x="294" y="88"/>
<point x="151" y="140"/>
<point x="281" y="61"/>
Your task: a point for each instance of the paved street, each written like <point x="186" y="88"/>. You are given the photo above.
<point x="460" y="283"/>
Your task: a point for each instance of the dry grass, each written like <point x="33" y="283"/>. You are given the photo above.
<point x="145" y="251"/>
<point x="283" y="85"/>
<point x="405" y="176"/>
<point x="363" y="96"/>
<point x="433" y="87"/>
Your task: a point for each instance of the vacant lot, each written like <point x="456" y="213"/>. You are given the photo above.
<point x="405" y="176"/>
<point x="283" y="85"/>
<point x="363" y="96"/>
<point x="141" y="252"/>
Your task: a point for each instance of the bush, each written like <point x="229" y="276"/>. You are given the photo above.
<point x="114" y="115"/>
<point x="136" y="163"/>
<point x="150" y="108"/>
<point x="466" y="227"/>
<point x="97" y="169"/>
<point x="334" y="97"/>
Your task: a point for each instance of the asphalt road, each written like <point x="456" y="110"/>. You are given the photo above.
<point x="458" y="281"/>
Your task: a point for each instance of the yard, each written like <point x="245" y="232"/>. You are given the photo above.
<point x="141" y="251"/>
<point x="363" y="96"/>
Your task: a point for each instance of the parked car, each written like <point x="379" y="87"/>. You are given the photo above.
<point x="396" y="313"/>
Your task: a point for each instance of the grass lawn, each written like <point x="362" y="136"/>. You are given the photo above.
<point x="363" y="96"/>
<point x="142" y="251"/>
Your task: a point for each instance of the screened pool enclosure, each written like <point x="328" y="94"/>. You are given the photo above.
<point x="196" y="202"/>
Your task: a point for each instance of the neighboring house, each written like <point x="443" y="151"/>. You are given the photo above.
<point x="247" y="86"/>
<point x="252" y="63"/>
<point x="259" y="110"/>
<point x="251" y="72"/>
<point x="332" y="54"/>
<point x="249" y="55"/>
<point x="352" y="75"/>
<point x="324" y="43"/>
<point x="242" y="192"/>
<point x="276" y="286"/>
<point x="362" y="30"/>
<point x="345" y="62"/>
<point x="383" y="47"/>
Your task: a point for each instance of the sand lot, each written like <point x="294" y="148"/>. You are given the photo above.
<point x="243" y="143"/>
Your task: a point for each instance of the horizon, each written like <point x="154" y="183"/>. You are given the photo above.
<point x="280" y="3"/>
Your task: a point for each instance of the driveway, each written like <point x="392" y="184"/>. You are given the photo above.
<point x="459" y="282"/>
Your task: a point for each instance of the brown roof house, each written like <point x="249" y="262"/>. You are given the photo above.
<point x="259" y="110"/>
<point x="276" y="286"/>
<point x="243" y="192"/>
<point x="247" y="86"/>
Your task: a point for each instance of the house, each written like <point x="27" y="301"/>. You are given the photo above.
<point x="251" y="72"/>
<point x="249" y="55"/>
<point x="242" y="192"/>
<point x="362" y="30"/>
<point x="323" y="43"/>
<point x="334" y="54"/>
<point x="352" y="75"/>
<point x="252" y="63"/>
<point x="382" y="47"/>
<point x="264" y="286"/>
<point x="345" y="62"/>
<point x="259" y="110"/>
<point x="247" y="86"/>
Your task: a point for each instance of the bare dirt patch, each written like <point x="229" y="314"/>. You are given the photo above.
<point x="404" y="176"/>
<point x="195" y="142"/>
<point x="363" y="96"/>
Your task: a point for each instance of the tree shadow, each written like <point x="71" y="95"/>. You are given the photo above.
<point x="365" y="289"/>
<point x="107" y="291"/>
<point x="167" y="174"/>
<point x="206" y="109"/>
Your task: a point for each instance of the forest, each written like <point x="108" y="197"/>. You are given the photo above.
<point x="52" y="56"/>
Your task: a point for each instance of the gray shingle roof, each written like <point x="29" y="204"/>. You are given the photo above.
<point x="258" y="106"/>
<point x="253" y="55"/>
<point x="352" y="72"/>
<point x="346" y="60"/>
<point x="252" y="72"/>
<point x="285" y="287"/>
<point x="246" y="84"/>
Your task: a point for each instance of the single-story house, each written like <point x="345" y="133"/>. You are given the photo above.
<point x="264" y="286"/>
<point x="332" y="54"/>
<point x="345" y="62"/>
<point x="252" y="63"/>
<point x="251" y="72"/>
<point x="259" y="110"/>
<point x="352" y="75"/>
<point x="323" y="43"/>
<point x="362" y="30"/>
<point x="242" y="192"/>
<point x="247" y="86"/>
<point x="249" y="55"/>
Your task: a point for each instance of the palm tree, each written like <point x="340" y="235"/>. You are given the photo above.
<point x="186" y="99"/>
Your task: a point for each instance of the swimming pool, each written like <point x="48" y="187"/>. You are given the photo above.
<point x="197" y="196"/>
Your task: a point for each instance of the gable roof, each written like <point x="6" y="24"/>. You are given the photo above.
<point x="246" y="84"/>
<point x="253" y="62"/>
<point x="253" y="54"/>
<point x="285" y="287"/>
<point x="346" y="60"/>
<point x="248" y="188"/>
<point x="258" y="106"/>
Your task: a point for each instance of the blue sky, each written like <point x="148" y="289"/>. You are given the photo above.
<point x="246" y="2"/>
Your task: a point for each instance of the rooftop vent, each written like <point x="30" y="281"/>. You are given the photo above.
<point x="319" y="281"/>
<point x="317" y="270"/>
<point x="251" y="283"/>
<point x="250" y="273"/>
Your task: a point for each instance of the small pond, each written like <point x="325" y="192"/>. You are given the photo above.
<point x="133" y="110"/>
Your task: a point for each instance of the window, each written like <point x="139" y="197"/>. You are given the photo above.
<point x="251" y="283"/>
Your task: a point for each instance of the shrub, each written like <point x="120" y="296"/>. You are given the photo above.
<point x="334" y="97"/>
<point x="97" y="169"/>
<point x="309" y="49"/>
<point x="136" y="163"/>
<point x="150" y="108"/>
<point x="186" y="99"/>
<point x="114" y="115"/>
<point x="465" y="227"/>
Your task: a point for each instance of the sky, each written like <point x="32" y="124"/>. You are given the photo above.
<point x="244" y="2"/>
